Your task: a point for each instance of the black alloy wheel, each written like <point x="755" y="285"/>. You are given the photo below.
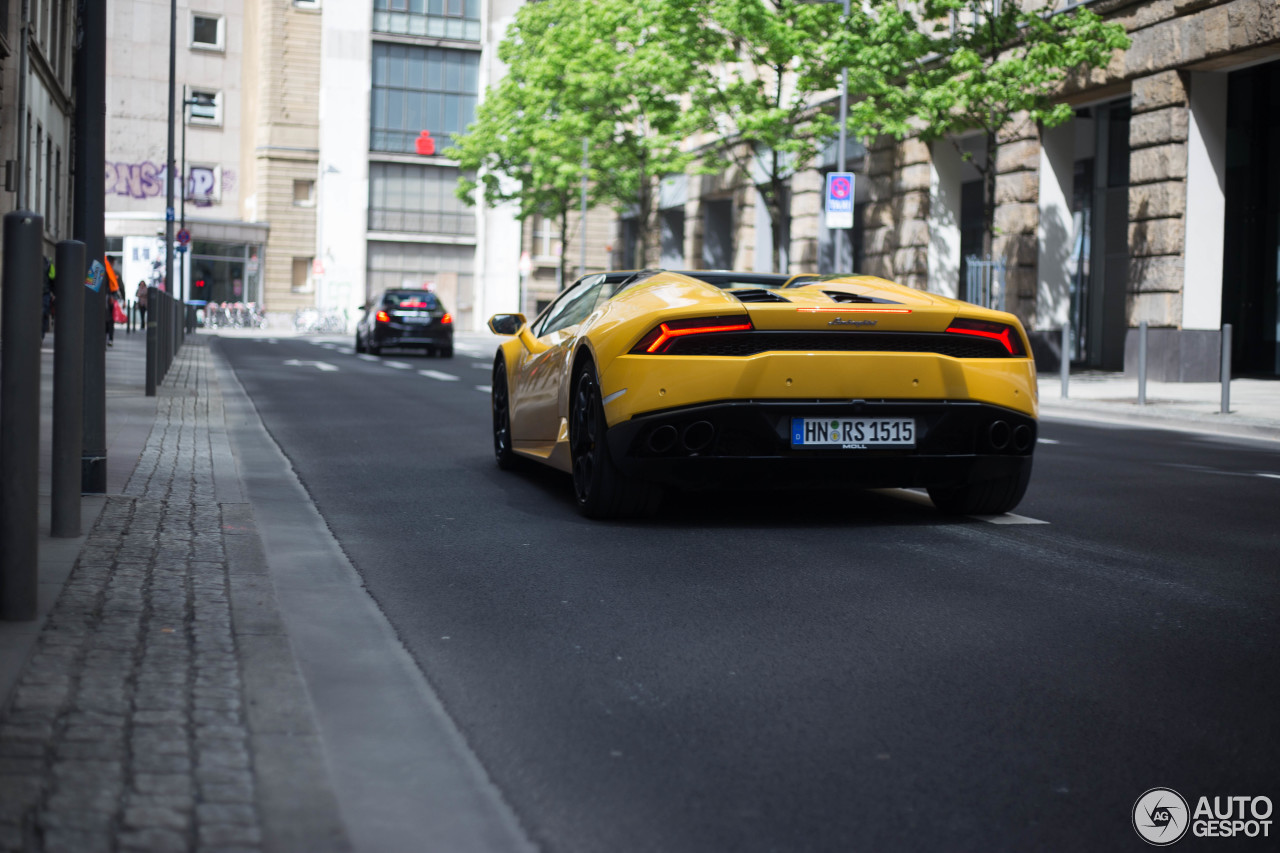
<point x="601" y="490"/>
<point x="502" y="418"/>
<point x="359" y="343"/>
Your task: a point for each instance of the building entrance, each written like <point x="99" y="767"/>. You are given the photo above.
<point x="1251" y="245"/>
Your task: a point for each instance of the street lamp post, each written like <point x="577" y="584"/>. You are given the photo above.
<point x="200" y="99"/>
<point x="169" y="164"/>
<point x="840" y="152"/>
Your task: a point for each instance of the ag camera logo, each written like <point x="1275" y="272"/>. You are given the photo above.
<point x="1160" y="816"/>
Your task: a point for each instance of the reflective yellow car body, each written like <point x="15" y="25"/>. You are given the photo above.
<point x="790" y="324"/>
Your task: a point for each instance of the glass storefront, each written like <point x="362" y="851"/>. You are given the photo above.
<point x="225" y="272"/>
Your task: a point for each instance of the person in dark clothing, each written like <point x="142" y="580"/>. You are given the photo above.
<point x="141" y="301"/>
<point x="46" y="298"/>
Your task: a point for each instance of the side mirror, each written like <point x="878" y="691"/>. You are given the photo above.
<point x="506" y="324"/>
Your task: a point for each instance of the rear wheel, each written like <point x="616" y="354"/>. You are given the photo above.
<point x="502" y="418"/>
<point x="601" y="490"/>
<point x="445" y="351"/>
<point x="983" y="497"/>
<point x="359" y="343"/>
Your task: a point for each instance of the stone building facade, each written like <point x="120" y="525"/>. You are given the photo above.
<point x="1158" y="202"/>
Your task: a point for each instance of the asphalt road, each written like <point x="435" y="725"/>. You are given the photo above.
<point x="799" y="671"/>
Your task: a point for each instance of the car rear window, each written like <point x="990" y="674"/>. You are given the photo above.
<point x="411" y="299"/>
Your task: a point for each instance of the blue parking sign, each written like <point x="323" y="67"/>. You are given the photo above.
<point x="839" y="200"/>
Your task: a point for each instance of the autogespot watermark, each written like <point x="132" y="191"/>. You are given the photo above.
<point x="1161" y="816"/>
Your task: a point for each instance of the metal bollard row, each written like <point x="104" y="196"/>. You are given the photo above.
<point x="168" y="321"/>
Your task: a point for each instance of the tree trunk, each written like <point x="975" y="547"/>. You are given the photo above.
<point x="644" y="216"/>
<point x="989" y="197"/>
<point x="564" y="237"/>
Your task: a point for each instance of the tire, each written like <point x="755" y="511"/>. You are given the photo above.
<point x="500" y="403"/>
<point x="445" y="351"/>
<point x="359" y="345"/>
<point x="601" y="490"/>
<point x="983" y="497"/>
<point x="372" y="349"/>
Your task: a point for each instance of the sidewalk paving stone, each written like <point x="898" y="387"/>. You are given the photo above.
<point x="127" y="728"/>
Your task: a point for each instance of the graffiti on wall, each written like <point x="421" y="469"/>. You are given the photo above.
<point x="135" y="180"/>
<point x="146" y="180"/>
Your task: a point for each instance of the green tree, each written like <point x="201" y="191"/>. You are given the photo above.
<point x="609" y="71"/>
<point x="525" y="144"/>
<point x="937" y="68"/>
<point x="763" y="64"/>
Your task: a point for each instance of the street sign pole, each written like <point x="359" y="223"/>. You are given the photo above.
<point x="844" y="134"/>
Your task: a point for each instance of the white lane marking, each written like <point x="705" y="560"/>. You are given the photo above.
<point x="368" y="357"/>
<point x="1269" y="476"/>
<point x="480" y="366"/>
<point x="920" y="497"/>
<point x="1047" y="441"/>
<point x="272" y="341"/>
<point x="1008" y="518"/>
<point x="488" y="389"/>
<point x="398" y="365"/>
<point x="344" y="350"/>
<point x="321" y="365"/>
<point x="435" y="374"/>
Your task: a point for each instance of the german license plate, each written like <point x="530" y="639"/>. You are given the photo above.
<point x="417" y="319"/>
<point x="852" y="433"/>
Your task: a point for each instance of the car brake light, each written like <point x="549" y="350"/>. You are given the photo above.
<point x="446" y="319"/>
<point x="659" y="339"/>
<point x="383" y="317"/>
<point x="1001" y="332"/>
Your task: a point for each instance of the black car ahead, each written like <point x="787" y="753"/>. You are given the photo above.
<point x="407" y="319"/>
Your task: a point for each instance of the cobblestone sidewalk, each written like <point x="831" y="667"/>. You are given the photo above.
<point x="130" y="727"/>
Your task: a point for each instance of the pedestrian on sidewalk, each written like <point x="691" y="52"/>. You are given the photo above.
<point x="46" y="299"/>
<point x="140" y="297"/>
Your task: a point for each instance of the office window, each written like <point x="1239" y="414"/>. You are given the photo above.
<point x="421" y="88"/>
<point x="417" y="199"/>
<point x="416" y="264"/>
<point x="301" y="282"/>
<point x="206" y="31"/>
<point x="207" y="109"/>
<point x="452" y="19"/>
<point x="304" y="193"/>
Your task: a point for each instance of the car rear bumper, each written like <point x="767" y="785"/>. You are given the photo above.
<point x="747" y="443"/>
<point x="413" y="336"/>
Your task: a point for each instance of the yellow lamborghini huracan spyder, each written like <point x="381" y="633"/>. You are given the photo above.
<point x="639" y="380"/>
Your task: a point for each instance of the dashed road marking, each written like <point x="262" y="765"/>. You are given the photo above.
<point x="319" y="365"/>
<point x="488" y="389"/>
<point x="1008" y="518"/>
<point x="917" y="496"/>
<point x="1047" y="441"/>
<point x="368" y="357"/>
<point x="480" y="366"/>
<point x="398" y="365"/>
<point x="436" y="374"/>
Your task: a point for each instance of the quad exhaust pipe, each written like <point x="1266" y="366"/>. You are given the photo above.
<point x="1022" y="438"/>
<point x="999" y="435"/>
<point x="698" y="436"/>
<point x="663" y="438"/>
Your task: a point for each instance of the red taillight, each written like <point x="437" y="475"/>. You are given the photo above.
<point x="1006" y="335"/>
<point x="659" y="339"/>
<point x="447" y="319"/>
<point x="383" y="317"/>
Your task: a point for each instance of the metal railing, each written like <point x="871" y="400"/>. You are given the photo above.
<point x="168" y="322"/>
<point x="985" y="282"/>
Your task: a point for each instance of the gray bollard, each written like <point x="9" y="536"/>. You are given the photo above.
<point x="1064" y="366"/>
<point x="68" y="390"/>
<point x="1142" y="363"/>
<point x="1226" y="368"/>
<point x="20" y="416"/>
